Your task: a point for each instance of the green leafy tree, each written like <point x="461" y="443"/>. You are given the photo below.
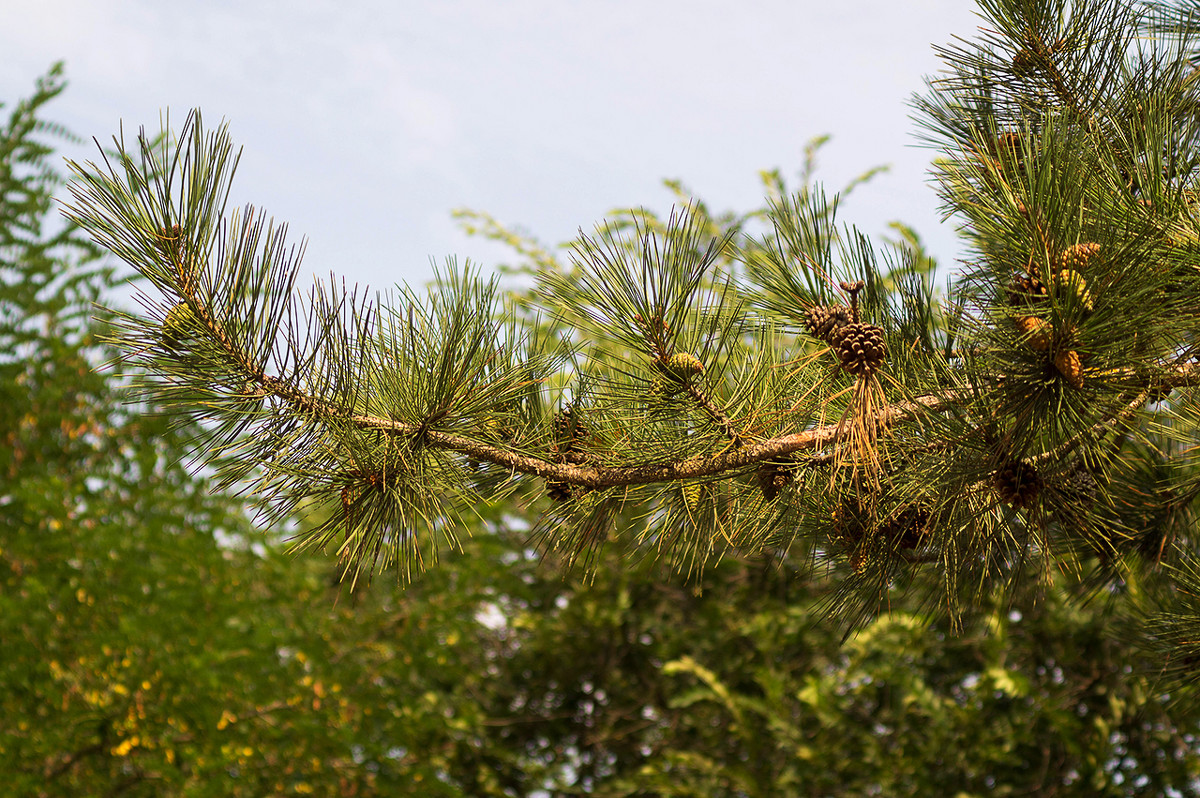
<point x="154" y="641"/>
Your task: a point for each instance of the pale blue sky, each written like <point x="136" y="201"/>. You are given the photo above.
<point x="365" y="123"/>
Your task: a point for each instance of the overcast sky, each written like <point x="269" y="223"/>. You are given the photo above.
<point x="365" y="123"/>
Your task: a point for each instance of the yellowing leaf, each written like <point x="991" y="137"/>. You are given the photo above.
<point x="126" y="746"/>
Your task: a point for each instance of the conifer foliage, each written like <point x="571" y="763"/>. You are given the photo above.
<point x="690" y="388"/>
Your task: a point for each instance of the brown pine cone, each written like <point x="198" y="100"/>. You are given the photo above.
<point x="1026" y="290"/>
<point x="907" y="527"/>
<point x="567" y="425"/>
<point x="1011" y="145"/>
<point x="568" y="431"/>
<point x="558" y="491"/>
<point x="848" y="528"/>
<point x="825" y="321"/>
<point x="1026" y="62"/>
<point x="771" y="478"/>
<point x="1080" y="484"/>
<point x="170" y="241"/>
<point x="861" y="348"/>
<point x="1017" y="483"/>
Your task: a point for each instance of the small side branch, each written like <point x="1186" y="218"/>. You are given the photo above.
<point x="717" y="415"/>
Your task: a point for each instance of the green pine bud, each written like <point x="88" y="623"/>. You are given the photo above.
<point x="691" y="496"/>
<point x="178" y="325"/>
<point x="682" y="366"/>
<point x="1072" y="281"/>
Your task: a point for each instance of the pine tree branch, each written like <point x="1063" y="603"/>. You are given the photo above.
<point x="1092" y="433"/>
<point x="1182" y="376"/>
<point x="242" y="360"/>
<point x="598" y="477"/>
<point x="1044" y="54"/>
<point x="736" y="438"/>
<point x="733" y="459"/>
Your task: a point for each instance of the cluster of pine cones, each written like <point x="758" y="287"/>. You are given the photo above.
<point x="1071" y="289"/>
<point x="859" y="346"/>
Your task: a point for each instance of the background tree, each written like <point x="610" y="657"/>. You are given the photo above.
<point x="154" y="641"/>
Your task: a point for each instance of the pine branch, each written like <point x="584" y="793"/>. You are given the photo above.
<point x="733" y="460"/>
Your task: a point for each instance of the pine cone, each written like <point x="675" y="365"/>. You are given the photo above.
<point x="1077" y="256"/>
<point x="170" y="242"/>
<point x="682" y="366"/>
<point x="657" y="325"/>
<point x="691" y="496"/>
<point x="1031" y="58"/>
<point x="825" y="322"/>
<point x="771" y="478"/>
<point x="854" y="537"/>
<point x="558" y="491"/>
<point x="1017" y="483"/>
<point x="865" y="559"/>
<point x="1026" y="290"/>
<point x="1079" y="484"/>
<point x="861" y="348"/>
<point x="567" y="426"/>
<point x="568" y="429"/>
<point x="1038" y="332"/>
<point x="1070" y="366"/>
<point x="1026" y="63"/>
<point x="1010" y="146"/>
<point x="1072" y="282"/>
<point x="908" y="526"/>
<point x="178" y="325"/>
<point x="848" y="529"/>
